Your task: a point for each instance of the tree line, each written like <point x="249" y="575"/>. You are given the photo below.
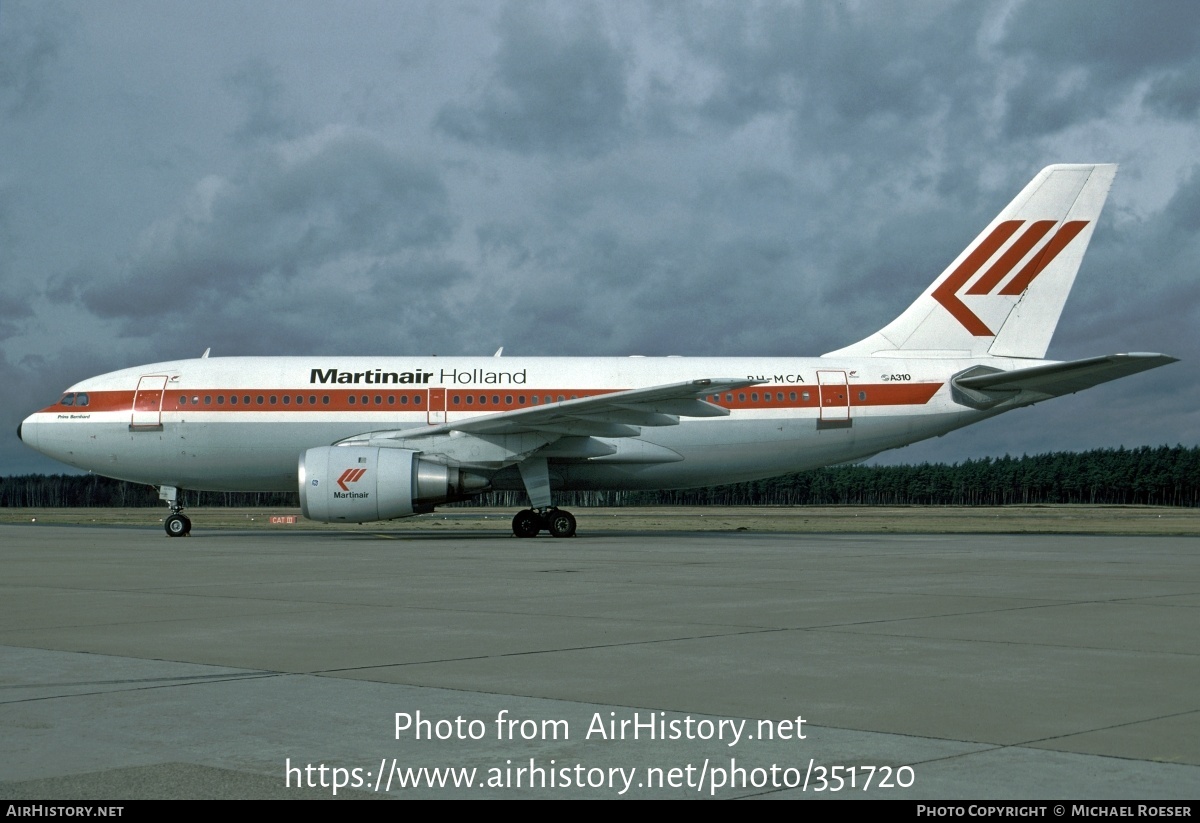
<point x="1160" y="476"/>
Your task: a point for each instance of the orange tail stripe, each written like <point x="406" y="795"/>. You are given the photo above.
<point x="1034" y="267"/>
<point x="1012" y="257"/>
<point x="947" y="293"/>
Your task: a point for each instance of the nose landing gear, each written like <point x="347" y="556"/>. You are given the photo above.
<point x="177" y="523"/>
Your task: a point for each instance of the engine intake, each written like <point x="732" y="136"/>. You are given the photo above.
<point x="355" y="484"/>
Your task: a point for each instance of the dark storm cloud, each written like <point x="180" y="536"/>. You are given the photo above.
<point x="260" y="91"/>
<point x="14" y="300"/>
<point x="1138" y="286"/>
<point x="1176" y="94"/>
<point x="835" y="63"/>
<point x="557" y="86"/>
<point x="1183" y="212"/>
<point x="1116" y="41"/>
<point x="1082" y="58"/>
<point x="655" y="178"/>
<point x="30" y="42"/>
<point x="307" y="209"/>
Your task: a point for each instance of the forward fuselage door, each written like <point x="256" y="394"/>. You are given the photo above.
<point x="147" y="403"/>
<point x="833" y="389"/>
<point x="437" y="406"/>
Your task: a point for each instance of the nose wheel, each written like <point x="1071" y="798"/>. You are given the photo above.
<point x="177" y="525"/>
<point x="559" y="522"/>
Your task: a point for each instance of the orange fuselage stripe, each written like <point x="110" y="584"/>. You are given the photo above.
<point x="342" y="400"/>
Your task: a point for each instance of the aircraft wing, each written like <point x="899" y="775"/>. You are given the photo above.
<point x="615" y="414"/>
<point x="503" y="438"/>
<point x="988" y="387"/>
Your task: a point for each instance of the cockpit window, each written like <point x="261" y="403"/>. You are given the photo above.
<point x="68" y="399"/>
<point x="81" y="399"/>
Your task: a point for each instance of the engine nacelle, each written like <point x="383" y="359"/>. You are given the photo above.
<point x="354" y="484"/>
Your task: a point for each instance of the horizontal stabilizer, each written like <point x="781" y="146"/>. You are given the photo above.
<point x="982" y="387"/>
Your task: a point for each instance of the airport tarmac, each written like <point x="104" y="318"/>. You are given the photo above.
<point x="273" y="664"/>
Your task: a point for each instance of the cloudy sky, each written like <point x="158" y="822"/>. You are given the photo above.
<point x="583" y="179"/>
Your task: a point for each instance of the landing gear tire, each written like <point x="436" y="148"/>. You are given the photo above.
<point x="527" y="523"/>
<point x="560" y="523"/>
<point x="177" y="525"/>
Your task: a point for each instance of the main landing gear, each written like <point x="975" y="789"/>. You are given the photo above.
<point x="559" y="522"/>
<point x="177" y="523"/>
<point x="540" y="516"/>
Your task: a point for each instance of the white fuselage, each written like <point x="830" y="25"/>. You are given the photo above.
<point x="241" y="423"/>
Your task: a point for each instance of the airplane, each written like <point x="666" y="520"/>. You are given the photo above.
<point x="378" y="438"/>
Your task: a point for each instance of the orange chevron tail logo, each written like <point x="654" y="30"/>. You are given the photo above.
<point x="948" y="292"/>
<point x="350" y="476"/>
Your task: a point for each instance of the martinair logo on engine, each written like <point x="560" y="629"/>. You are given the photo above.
<point x="350" y="476"/>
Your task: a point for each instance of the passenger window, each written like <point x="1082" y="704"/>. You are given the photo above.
<point x="233" y="399"/>
<point x="220" y="400"/>
<point x="792" y="396"/>
<point x="259" y="399"/>
<point x="312" y="400"/>
<point x="805" y="396"/>
<point x="742" y="397"/>
<point x="378" y="400"/>
<point x="274" y="400"/>
<point x="417" y="400"/>
<point x="287" y="401"/>
<point x="754" y="396"/>
<point x="495" y="400"/>
<point x="183" y="399"/>
<point x="349" y="399"/>
<point x="508" y="399"/>
<point x="862" y="395"/>
<point x="208" y="399"/>
<point x="325" y="400"/>
<point x="391" y="399"/>
<point x="404" y="400"/>
<point x="470" y="400"/>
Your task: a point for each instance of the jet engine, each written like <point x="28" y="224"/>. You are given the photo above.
<point x="354" y="484"/>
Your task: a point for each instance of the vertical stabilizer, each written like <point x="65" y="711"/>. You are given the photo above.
<point x="1002" y="296"/>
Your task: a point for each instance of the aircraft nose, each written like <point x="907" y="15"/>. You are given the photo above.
<point x="27" y="431"/>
